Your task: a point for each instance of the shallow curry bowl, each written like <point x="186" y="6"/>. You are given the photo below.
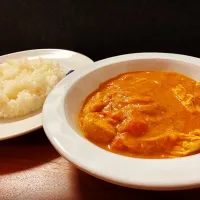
<point x="64" y="102"/>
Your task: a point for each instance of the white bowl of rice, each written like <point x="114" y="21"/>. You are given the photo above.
<point x="26" y="78"/>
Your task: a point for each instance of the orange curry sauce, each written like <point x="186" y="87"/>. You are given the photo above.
<point x="149" y="114"/>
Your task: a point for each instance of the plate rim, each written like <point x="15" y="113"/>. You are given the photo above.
<point x="44" y="49"/>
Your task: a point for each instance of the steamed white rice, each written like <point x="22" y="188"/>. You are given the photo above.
<point x="24" y="85"/>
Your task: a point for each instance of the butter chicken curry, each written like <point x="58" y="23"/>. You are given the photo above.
<point x="149" y="114"/>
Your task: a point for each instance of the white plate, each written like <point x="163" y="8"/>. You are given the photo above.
<point x="68" y="60"/>
<point x="60" y="124"/>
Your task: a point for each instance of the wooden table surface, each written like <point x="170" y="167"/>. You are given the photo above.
<point x="30" y="168"/>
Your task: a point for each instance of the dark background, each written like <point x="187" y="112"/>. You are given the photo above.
<point x="101" y="28"/>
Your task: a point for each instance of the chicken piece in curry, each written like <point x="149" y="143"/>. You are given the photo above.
<point x="148" y="114"/>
